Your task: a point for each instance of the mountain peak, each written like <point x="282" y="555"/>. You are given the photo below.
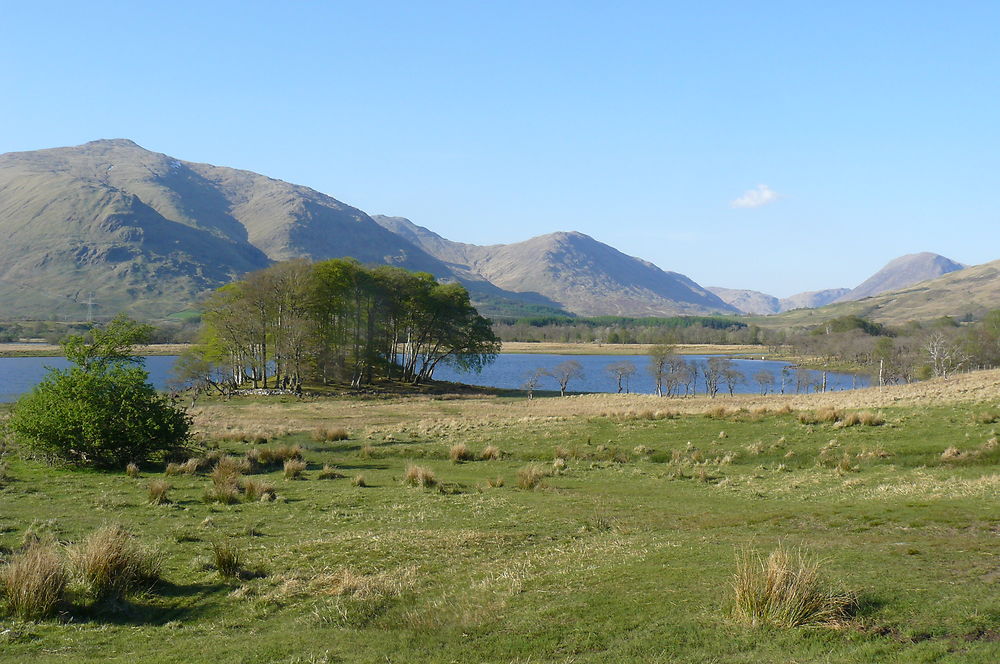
<point x="902" y="272"/>
<point x="113" y="143"/>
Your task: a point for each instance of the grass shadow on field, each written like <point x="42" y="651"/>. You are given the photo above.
<point x="182" y="602"/>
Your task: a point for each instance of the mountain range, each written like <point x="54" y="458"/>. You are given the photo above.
<point x="114" y="226"/>
<point x="899" y="273"/>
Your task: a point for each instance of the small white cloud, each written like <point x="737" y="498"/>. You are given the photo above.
<point x="756" y="197"/>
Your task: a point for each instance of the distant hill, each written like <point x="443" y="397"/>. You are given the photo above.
<point x="971" y="291"/>
<point x="571" y="269"/>
<point x="748" y="301"/>
<point x="812" y="299"/>
<point x="902" y="272"/>
<point x="755" y="302"/>
<point x="150" y="234"/>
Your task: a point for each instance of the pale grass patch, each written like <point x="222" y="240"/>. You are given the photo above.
<point x="923" y="484"/>
<point x="952" y="453"/>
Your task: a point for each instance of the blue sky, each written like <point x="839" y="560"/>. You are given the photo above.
<point x="778" y="146"/>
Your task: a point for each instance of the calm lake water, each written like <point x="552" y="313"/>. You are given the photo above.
<point x="20" y="374"/>
<point x="510" y="371"/>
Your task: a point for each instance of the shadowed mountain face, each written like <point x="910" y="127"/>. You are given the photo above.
<point x="150" y="235"/>
<point x="579" y="273"/>
<point x="901" y="273"/>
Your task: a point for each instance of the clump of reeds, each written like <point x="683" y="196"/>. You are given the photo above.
<point x="158" y="491"/>
<point x="257" y="489"/>
<point x="294" y="469"/>
<point x="173" y="469"/>
<point x="419" y="476"/>
<point x="132" y="470"/>
<point x="491" y="453"/>
<point x="329" y="473"/>
<point x="227" y="558"/>
<point x="786" y="590"/>
<point x="530" y="477"/>
<point x="460" y="452"/>
<point x="111" y="562"/>
<point x="359" y="481"/>
<point x="330" y="434"/>
<point x="495" y="482"/>
<point x="33" y="582"/>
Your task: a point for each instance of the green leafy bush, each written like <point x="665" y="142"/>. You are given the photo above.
<point x="101" y="411"/>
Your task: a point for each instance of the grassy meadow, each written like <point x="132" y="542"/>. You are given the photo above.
<point x="601" y="528"/>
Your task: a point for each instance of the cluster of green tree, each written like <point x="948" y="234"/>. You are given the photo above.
<point x="336" y="321"/>
<point x="915" y="351"/>
<point x="626" y="330"/>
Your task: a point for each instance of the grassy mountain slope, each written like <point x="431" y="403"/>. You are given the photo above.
<point x="972" y="290"/>
<point x="150" y="234"/>
<point x="902" y="272"/>
<point x="579" y="273"/>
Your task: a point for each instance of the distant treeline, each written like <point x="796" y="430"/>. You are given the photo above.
<point x="628" y="330"/>
<point x="336" y="320"/>
<point x="915" y="351"/>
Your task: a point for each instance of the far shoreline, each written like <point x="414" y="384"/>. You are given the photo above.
<point x="31" y="349"/>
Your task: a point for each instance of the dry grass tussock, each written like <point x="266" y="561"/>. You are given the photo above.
<point x="33" y="582"/>
<point x="294" y="468"/>
<point x="111" y="562"/>
<point x="786" y="590"/>
<point x="419" y="476"/>
<point x="530" y="477"/>
<point x="460" y="452"/>
<point x="227" y="558"/>
<point x="491" y="453"/>
<point x="330" y="434"/>
<point x="132" y="470"/>
<point x="158" y="491"/>
<point x="329" y="472"/>
<point x="258" y="489"/>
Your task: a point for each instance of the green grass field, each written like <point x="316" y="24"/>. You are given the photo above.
<point x="625" y="553"/>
